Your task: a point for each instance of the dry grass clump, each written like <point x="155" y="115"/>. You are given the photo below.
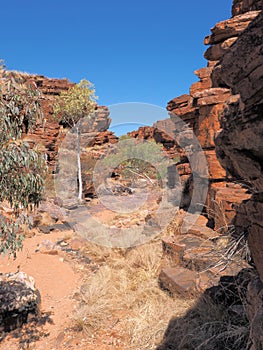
<point x="123" y="297"/>
<point x="208" y="326"/>
<point x="231" y="249"/>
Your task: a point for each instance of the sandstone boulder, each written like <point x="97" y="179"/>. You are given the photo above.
<point x="18" y="300"/>
<point x="230" y="28"/>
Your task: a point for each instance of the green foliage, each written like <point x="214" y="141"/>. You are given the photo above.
<point x="21" y="174"/>
<point x="71" y="107"/>
<point x="11" y="241"/>
<point x="22" y="169"/>
<point x="19" y="106"/>
<point x="144" y="158"/>
<point x="75" y="103"/>
<point x="124" y="137"/>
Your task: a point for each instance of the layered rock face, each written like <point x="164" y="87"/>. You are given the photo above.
<point x="158" y="134"/>
<point x="47" y="133"/>
<point x="225" y="110"/>
<point x="202" y="108"/>
<point x="240" y="147"/>
<point x="241" y="6"/>
<point x="50" y="134"/>
<point x="240" y="143"/>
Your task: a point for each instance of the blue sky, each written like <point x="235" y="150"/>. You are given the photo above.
<point x="133" y="51"/>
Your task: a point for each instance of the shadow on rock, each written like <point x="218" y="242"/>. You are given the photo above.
<point x="217" y="321"/>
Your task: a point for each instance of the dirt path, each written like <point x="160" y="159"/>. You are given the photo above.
<point x="57" y="279"/>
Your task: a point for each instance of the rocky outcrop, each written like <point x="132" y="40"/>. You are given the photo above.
<point x="242" y="6"/>
<point x="202" y="108"/>
<point x="230" y="28"/>
<point x="240" y="148"/>
<point x="18" y="300"/>
<point x="196" y="260"/>
<point x="240" y="141"/>
<point x="157" y="133"/>
<point x="49" y="133"/>
<point x="225" y="111"/>
<point x="214" y="102"/>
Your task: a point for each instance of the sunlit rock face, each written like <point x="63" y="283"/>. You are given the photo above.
<point x="240" y="143"/>
<point x="203" y="107"/>
<point x="240" y="146"/>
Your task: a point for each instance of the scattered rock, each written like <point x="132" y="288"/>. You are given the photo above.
<point x="77" y="243"/>
<point x="178" y="280"/>
<point x="48" y="247"/>
<point x="18" y="300"/>
<point x="230" y="28"/>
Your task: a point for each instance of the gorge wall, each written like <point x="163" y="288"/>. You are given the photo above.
<point x="225" y="110"/>
<point x="240" y="143"/>
<point x="240" y="148"/>
<point x="49" y="134"/>
<point x="203" y="107"/>
<point x="201" y="110"/>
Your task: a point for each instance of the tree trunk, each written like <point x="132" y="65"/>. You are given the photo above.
<point x="79" y="165"/>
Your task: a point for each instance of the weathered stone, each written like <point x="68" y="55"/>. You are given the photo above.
<point x="78" y="243"/>
<point x="174" y="248"/>
<point x="240" y="142"/>
<point x="211" y="276"/>
<point x="223" y="202"/>
<point x="46" y="229"/>
<point x="197" y="225"/>
<point x="245" y="76"/>
<point x="227" y="104"/>
<point x="230" y="27"/>
<point x="208" y="124"/>
<point x="211" y="168"/>
<point x="200" y="230"/>
<point x="51" y="211"/>
<point x="161" y="132"/>
<point x="249" y="219"/>
<point x="203" y="73"/>
<point x="211" y="96"/>
<point x="18" y="300"/>
<point x="200" y="85"/>
<point x="205" y="280"/>
<point x="178" y="280"/>
<point x="217" y="51"/>
<point x="42" y="218"/>
<point x="200" y="258"/>
<point x="48" y="247"/>
<point x="242" y="6"/>
<point x="177" y="246"/>
<point x="184" y="169"/>
<point x="181" y="105"/>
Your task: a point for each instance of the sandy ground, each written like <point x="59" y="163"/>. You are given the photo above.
<point x="58" y="278"/>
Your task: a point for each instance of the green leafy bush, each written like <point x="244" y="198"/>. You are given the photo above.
<point x="22" y="169"/>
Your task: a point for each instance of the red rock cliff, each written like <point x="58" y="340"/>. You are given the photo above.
<point x="49" y="133"/>
<point x="240" y="143"/>
<point x="240" y="147"/>
<point x="202" y="108"/>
